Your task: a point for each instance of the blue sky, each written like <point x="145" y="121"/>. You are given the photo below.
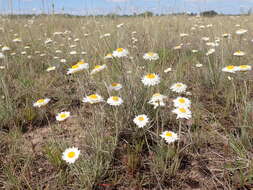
<point x="124" y="6"/>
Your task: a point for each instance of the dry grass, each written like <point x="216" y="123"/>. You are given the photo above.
<point x="215" y="148"/>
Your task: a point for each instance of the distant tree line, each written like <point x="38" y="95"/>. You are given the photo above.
<point x="209" y="13"/>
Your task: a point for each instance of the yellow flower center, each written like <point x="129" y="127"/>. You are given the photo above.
<point x="168" y="134"/>
<point x="182" y="110"/>
<point x="80" y="63"/>
<point x="141" y="118"/>
<point x="150" y="54"/>
<point x="120" y="50"/>
<point x="75" y="66"/>
<point x="93" y="96"/>
<point x="109" y="55"/>
<point x="114" y="84"/>
<point x="150" y="76"/>
<point x="71" y="154"/>
<point x="181" y="100"/>
<point x="41" y="101"/>
<point x="97" y="66"/>
<point x="63" y="115"/>
<point x="230" y="67"/>
<point x="178" y="85"/>
<point x="157" y="94"/>
<point x="115" y="98"/>
<point x="244" y="66"/>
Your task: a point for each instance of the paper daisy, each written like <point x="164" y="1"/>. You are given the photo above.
<point x="151" y="79"/>
<point x="210" y="52"/>
<point x="108" y="56"/>
<point x="141" y="120"/>
<point x="93" y="98"/>
<point x="178" y="87"/>
<point x="41" y="102"/>
<point x="62" y="116"/>
<point x="199" y="65"/>
<point x="5" y="48"/>
<point x="182" y="102"/>
<point x="51" y="69"/>
<point x="98" y="68"/>
<point x="239" y="53"/>
<point x="114" y="101"/>
<point x="78" y="67"/>
<point x="167" y="70"/>
<point x="157" y="100"/>
<point x="120" y="52"/>
<point x="230" y="69"/>
<point x="241" y="31"/>
<point x="182" y="113"/>
<point x="70" y="155"/>
<point x="169" y="136"/>
<point x="115" y="86"/>
<point x="244" y="68"/>
<point x="1" y="55"/>
<point x="151" y="56"/>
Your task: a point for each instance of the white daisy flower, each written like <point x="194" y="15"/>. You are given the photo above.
<point x="226" y="35"/>
<point x="169" y="136"/>
<point x="108" y="56"/>
<point x="210" y="51"/>
<point x="17" y="40"/>
<point x="244" y="68"/>
<point x="157" y="100"/>
<point x="93" y="98"/>
<point x="241" y="31"/>
<point x="168" y="70"/>
<point x="73" y="46"/>
<point x="182" y="102"/>
<point x="120" y="52"/>
<point x="70" y="155"/>
<point x="63" y="60"/>
<point x="151" y="56"/>
<point x="178" y="87"/>
<point x="195" y="51"/>
<point x="230" y="69"/>
<point x="141" y="120"/>
<point x="73" y="53"/>
<point x="114" y="101"/>
<point x="151" y="79"/>
<point x="5" y="48"/>
<point x="184" y="35"/>
<point x="51" y="68"/>
<point x="48" y="41"/>
<point x="178" y="47"/>
<point x="205" y="39"/>
<point x="182" y="113"/>
<point x="120" y="25"/>
<point x="199" y="65"/>
<point x="62" y="116"/>
<point x="239" y="53"/>
<point x="105" y="35"/>
<point x="98" y="68"/>
<point x="41" y="102"/>
<point x="115" y="86"/>
<point x="1" y="55"/>
<point x="78" y="67"/>
<point x="58" y="51"/>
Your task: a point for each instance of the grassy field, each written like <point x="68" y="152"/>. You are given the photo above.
<point x="214" y="149"/>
